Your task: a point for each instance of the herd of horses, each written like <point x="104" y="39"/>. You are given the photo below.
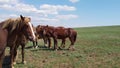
<point x="15" y="32"/>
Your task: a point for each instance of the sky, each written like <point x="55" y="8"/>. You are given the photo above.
<point x="66" y="13"/>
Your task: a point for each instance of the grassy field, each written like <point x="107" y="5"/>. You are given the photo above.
<point x="96" y="47"/>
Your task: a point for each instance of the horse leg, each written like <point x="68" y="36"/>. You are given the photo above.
<point x="36" y="43"/>
<point x="55" y="44"/>
<point x="63" y="43"/>
<point x="1" y="58"/>
<point x="45" y="42"/>
<point x="23" y="61"/>
<point x="71" y="47"/>
<point x="49" y="43"/>
<point x="15" y="54"/>
<point x="1" y="61"/>
<point x="11" y="57"/>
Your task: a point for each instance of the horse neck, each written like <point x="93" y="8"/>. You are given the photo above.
<point x="1" y="24"/>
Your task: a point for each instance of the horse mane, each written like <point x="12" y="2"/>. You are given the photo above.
<point x="11" y="24"/>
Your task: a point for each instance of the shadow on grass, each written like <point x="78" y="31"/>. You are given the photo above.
<point x="6" y="62"/>
<point x="41" y="48"/>
<point x="28" y="47"/>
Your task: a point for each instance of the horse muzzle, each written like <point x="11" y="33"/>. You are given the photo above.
<point x="31" y="38"/>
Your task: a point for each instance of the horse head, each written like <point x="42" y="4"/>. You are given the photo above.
<point x="27" y="28"/>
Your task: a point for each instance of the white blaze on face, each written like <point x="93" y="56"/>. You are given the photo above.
<point x="32" y="30"/>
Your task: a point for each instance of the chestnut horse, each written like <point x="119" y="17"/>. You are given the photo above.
<point x="58" y="33"/>
<point x="21" y="41"/>
<point x="35" y="43"/>
<point x="14" y="27"/>
<point x="39" y="32"/>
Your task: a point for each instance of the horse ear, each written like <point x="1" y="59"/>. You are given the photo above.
<point x="47" y="26"/>
<point x="21" y="17"/>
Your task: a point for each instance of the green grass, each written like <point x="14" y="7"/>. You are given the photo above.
<point x="96" y="47"/>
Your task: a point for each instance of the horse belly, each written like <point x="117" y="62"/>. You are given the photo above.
<point x="61" y="36"/>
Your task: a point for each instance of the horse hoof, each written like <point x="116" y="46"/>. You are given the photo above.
<point x="46" y="45"/>
<point x="60" y="48"/>
<point x="71" y="49"/>
<point x="36" y="47"/>
<point x="55" y="49"/>
<point x="50" y="47"/>
<point x="12" y="67"/>
<point x="24" y="62"/>
<point x="14" y="63"/>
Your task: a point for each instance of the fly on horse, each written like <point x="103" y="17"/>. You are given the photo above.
<point x="14" y="27"/>
<point x="58" y="33"/>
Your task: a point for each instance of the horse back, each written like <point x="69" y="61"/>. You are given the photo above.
<point x="61" y="32"/>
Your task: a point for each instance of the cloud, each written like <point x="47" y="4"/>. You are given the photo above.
<point x="74" y="1"/>
<point x="20" y="7"/>
<point x="9" y="1"/>
<point x="45" y="9"/>
<point x="66" y="17"/>
<point x="57" y="7"/>
<point x="25" y="8"/>
<point x="43" y="19"/>
<point x="6" y="16"/>
<point x="46" y="13"/>
<point x="54" y="9"/>
<point x="6" y="6"/>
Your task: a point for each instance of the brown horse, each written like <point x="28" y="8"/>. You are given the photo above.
<point x="46" y="38"/>
<point x="59" y="33"/>
<point x="35" y="43"/>
<point x="14" y="27"/>
<point x="22" y="40"/>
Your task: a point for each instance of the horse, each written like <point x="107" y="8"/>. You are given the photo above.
<point x="14" y="27"/>
<point x="46" y="38"/>
<point x="21" y="41"/>
<point x="35" y="43"/>
<point x="58" y="33"/>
